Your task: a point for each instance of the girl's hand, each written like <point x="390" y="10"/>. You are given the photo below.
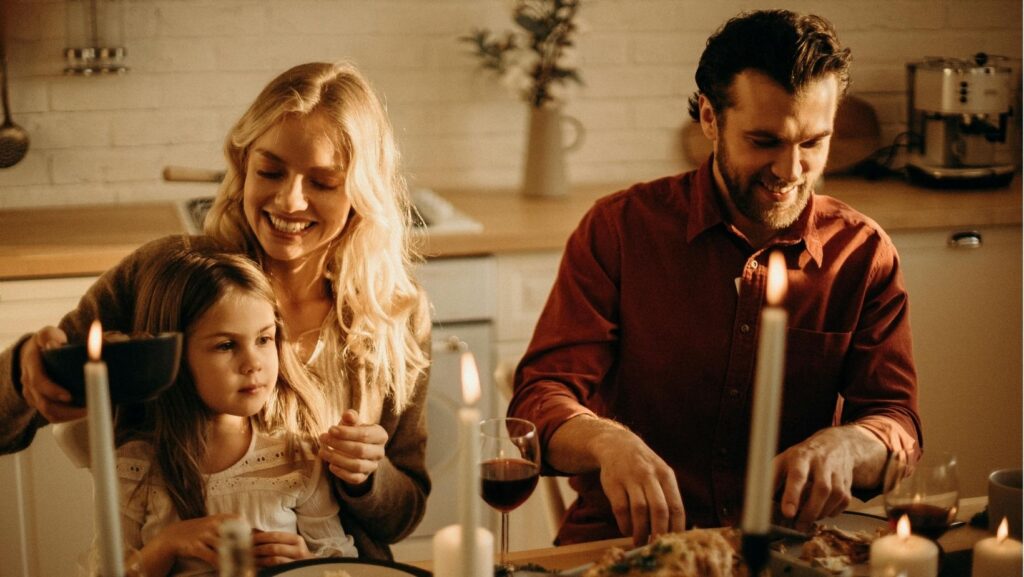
<point x="353" y="451"/>
<point x="273" y="548"/>
<point x="196" y="538"/>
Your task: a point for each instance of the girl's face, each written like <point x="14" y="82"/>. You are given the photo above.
<point x="294" y="194"/>
<point x="232" y="354"/>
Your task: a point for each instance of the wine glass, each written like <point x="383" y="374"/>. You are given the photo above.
<point x="509" y="469"/>
<point x="925" y="490"/>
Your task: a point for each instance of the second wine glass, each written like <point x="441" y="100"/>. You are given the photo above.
<point x="509" y="469"/>
<point x="926" y="490"/>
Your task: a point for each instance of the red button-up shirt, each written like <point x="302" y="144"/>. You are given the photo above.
<point x="653" y="322"/>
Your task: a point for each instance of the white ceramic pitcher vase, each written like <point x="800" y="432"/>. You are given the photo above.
<point x="545" y="173"/>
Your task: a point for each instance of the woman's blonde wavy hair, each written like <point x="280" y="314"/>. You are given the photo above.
<point x="374" y="338"/>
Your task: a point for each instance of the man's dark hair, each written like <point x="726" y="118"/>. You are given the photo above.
<point x="791" y="49"/>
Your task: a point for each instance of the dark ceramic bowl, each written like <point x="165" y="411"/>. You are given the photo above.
<point x="138" y="368"/>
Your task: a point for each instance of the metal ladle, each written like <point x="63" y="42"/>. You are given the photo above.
<point x="13" y="138"/>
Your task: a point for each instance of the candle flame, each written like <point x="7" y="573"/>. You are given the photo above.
<point x="95" y="341"/>
<point x="903" y="527"/>
<point x="776" y="278"/>
<point x="1003" y="531"/>
<point x="470" y="379"/>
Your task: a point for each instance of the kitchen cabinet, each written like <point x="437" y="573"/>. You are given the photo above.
<point x="46" y="505"/>
<point x="965" y="314"/>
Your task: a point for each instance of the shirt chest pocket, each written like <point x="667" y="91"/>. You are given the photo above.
<point x="814" y="367"/>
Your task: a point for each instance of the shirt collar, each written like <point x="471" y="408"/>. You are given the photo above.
<point x="707" y="212"/>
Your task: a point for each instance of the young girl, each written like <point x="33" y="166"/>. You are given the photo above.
<point x="235" y="435"/>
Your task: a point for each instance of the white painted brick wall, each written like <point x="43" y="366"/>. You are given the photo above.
<point x="196" y="64"/>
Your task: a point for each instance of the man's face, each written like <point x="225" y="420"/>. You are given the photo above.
<point x="770" y="148"/>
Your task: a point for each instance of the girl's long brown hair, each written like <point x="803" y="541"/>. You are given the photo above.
<point x="173" y="295"/>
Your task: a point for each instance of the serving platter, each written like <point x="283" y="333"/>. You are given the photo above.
<point x="354" y="567"/>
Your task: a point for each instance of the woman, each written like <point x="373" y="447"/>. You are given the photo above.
<point x="312" y="193"/>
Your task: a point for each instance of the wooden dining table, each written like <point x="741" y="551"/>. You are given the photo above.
<point x="956" y="546"/>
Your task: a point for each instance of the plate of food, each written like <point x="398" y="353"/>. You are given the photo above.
<point x="838" y="546"/>
<point x="343" y="568"/>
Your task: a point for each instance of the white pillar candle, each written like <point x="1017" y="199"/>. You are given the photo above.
<point x="469" y="471"/>
<point x="101" y="454"/>
<point x="997" y="556"/>
<point x="764" y="426"/>
<point x="904" y="554"/>
<point x="448" y="552"/>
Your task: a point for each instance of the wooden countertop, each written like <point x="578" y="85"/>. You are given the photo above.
<point x="86" y="240"/>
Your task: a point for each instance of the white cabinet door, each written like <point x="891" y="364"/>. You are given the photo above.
<point x="965" y="314"/>
<point x="46" y="503"/>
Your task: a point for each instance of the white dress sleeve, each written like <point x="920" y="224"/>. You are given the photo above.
<point x="132" y="465"/>
<point x="318" y="521"/>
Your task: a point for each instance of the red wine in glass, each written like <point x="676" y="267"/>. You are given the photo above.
<point x="926" y="520"/>
<point x="506" y="483"/>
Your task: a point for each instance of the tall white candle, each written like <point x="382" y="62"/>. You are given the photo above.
<point x="904" y="554"/>
<point x="997" y="556"/>
<point x="471" y="552"/>
<point x="764" y="426"/>
<point x="101" y="454"/>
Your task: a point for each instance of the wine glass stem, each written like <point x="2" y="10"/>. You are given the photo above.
<point x="504" y="540"/>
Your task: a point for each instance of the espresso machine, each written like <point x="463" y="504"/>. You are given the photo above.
<point x="961" y="122"/>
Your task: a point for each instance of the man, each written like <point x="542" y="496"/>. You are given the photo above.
<point x="640" y="372"/>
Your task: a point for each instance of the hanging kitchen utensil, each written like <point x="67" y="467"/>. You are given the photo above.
<point x="13" y="138"/>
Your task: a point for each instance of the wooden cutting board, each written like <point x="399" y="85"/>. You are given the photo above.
<point x="857" y="135"/>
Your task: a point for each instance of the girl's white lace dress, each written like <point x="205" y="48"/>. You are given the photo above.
<point x="272" y="488"/>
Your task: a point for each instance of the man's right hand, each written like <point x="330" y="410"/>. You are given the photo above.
<point x="50" y="399"/>
<point x="641" y="488"/>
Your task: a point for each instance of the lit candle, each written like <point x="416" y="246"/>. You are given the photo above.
<point x="101" y="453"/>
<point x="469" y="452"/>
<point x="448" y="552"/>
<point x="997" y="556"/>
<point x="904" y="554"/>
<point x="764" y="426"/>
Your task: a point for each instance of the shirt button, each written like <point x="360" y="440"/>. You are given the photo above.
<point x="733" y="392"/>
<point x="725" y="512"/>
<point x="744" y="328"/>
<point x="722" y="451"/>
<point x="753" y="264"/>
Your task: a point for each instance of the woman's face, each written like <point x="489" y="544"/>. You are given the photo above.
<point x="294" y="194"/>
<point x="232" y="354"/>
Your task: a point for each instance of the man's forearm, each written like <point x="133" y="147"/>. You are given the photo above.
<point x="573" y="447"/>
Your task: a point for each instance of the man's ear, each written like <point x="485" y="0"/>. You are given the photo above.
<point x="708" y="121"/>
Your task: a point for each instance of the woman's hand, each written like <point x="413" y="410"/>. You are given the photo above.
<point x="271" y="548"/>
<point x="353" y="451"/>
<point x="50" y="399"/>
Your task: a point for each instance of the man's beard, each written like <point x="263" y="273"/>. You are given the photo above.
<point x="773" y="215"/>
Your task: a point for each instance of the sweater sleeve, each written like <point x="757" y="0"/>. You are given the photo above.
<point x="111" y="299"/>
<point x="397" y="498"/>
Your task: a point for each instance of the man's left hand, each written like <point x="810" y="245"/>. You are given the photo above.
<point x="817" y="475"/>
